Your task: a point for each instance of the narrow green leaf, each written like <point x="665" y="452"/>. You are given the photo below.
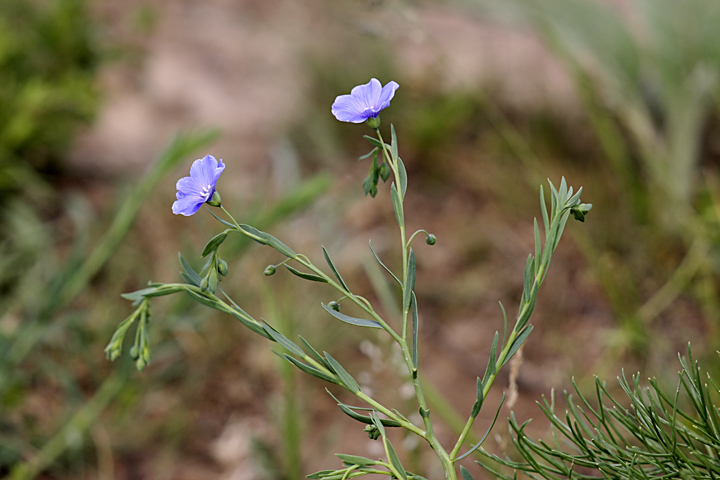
<point x="414" y="331"/>
<point x="383" y="265"/>
<point x="360" y="322"/>
<point x="214" y="243"/>
<point x="395" y="460"/>
<point x="306" y="276"/>
<point x="410" y="281"/>
<point x="349" y="410"/>
<point x="393" y="142"/>
<point x="227" y="224"/>
<point x="320" y="475"/>
<point x="189" y="279"/>
<point x="283" y="340"/>
<point x="374" y="141"/>
<point x="158" y="291"/>
<point x="314" y="352"/>
<point x="482" y="440"/>
<point x="528" y="278"/>
<point x="492" y="361"/>
<point x="192" y="274"/>
<point x="538" y="246"/>
<point x="517" y="343"/>
<point x="369" y="154"/>
<point x="250" y="323"/>
<point x="546" y="220"/>
<point x="254" y="233"/>
<point x="377" y="422"/>
<point x="279" y="246"/>
<point x="397" y="205"/>
<point x="208" y="302"/>
<point x="310" y="369"/>
<point x="356" y="460"/>
<point x="465" y="474"/>
<point x="505" y="322"/>
<point x="344" y="376"/>
<point x="403" y="176"/>
<point x="334" y="270"/>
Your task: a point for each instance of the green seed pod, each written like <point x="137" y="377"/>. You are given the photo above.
<point x="431" y="239"/>
<point x="215" y="201"/>
<point x="334" y="305"/>
<point x="384" y="171"/>
<point x="222" y="268"/>
<point x="204" y="284"/>
<point x="270" y="270"/>
<point x="134" y="352"/>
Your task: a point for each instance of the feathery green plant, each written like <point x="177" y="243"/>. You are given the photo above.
<point x="660" y="435"/>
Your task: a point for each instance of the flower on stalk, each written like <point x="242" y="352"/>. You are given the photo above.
<point x="199" y="187"/>
<point x="364" y="102"/>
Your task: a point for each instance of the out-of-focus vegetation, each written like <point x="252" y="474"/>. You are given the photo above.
<point x="49" y="56"/>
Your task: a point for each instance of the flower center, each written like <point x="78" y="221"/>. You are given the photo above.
<point x="206" y="190"/>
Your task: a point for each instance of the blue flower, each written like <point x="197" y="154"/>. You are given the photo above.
<point x="364" y="102"/>
<point x="199" y="187"/>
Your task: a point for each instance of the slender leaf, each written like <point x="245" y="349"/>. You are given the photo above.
<point x="344" y="376"/>
<point x="356" y="460"/>
<point x="394" y="460"/>
<point x="334" y="270"/>
<point x="214" y="243"/>
<point x="492" y="361"/>
<point x="414" y="331"/>
<point x="393" y="142"/>
<point x="403" y="176"/>
<point x="283" y="340"/>
<point x="254" y="233"/>
<point x="465" y="474"/>
<point x="482" y="440"/>
<point x="360" y="322"/>
<point x="383" y="265"/>
<point x="397" y="205"/>
<point x="376" y="143"/>
<point x="192" y="274"/>
<point x="410" y="281"/>
<point x="226" y="223"/>
<point x="310" y="369"/>
<point x="208" y="302"/>
<point x="279" y="246"/>
<point x="314" y="353"/>
<point x="306" y="276"/>
<point x="518" y="342"/>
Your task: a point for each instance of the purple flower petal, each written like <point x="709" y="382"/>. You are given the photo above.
<point x="187" y="205"/>
<point x="199" y="187"/>
<point x="365" y="101"/>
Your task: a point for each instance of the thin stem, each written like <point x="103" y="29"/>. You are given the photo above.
<point x="409" y="242"/>
<point x="230" y="217"/>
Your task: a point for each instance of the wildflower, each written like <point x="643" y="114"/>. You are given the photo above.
<point x="199" y="187"/>
<point x="364" y="102"/>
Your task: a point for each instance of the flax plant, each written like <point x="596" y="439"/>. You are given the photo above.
<point x="362" y="105"/>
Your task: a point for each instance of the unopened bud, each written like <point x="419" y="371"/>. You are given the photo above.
<point x="384" y="171"/>
<point x="204" y="284"/>
<point x="334" y="305"/>
<point x="222" y="268"/>
<point x="134" y="352"/>
<point x="431" y="239"/>
<point x="372" y="431"/>
<point x="270" y="270"/>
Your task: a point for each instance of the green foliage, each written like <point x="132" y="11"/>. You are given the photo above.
<point x="660" y="435"/>
<point x="48" y="62"/>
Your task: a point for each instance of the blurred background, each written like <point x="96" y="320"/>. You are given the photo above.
<point x="103" y="105"/>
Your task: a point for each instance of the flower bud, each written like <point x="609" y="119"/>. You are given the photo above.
<point x="334" y="305"/>
<point x="134" y="352"/>
<point x="270" y="270"/>
<point x="215" y="201"/>
<point x="431" y="239"/>
<point x="204" y="284"/>
<point x="372" y="431"/>
<point x="222" y="268"/>
<point x="384" y="171"/>
<point x="373" y="122"/>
